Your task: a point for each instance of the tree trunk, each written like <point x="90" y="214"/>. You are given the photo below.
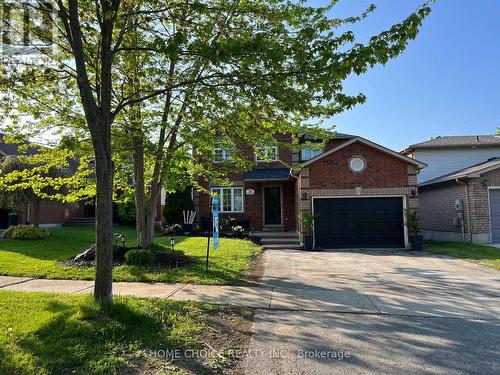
<point x="151" y="215"/>
<point x="140" y="206"/>
<point x="104" y="228"/>
<point x="99" y="117"/>
<point x="36" y="213"/>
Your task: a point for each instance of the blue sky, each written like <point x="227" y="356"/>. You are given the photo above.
<point x="447" y="82"/>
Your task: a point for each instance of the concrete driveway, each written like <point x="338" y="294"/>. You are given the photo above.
<point x="380" y="312"/>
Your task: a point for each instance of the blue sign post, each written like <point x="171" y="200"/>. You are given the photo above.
<point x="216" y="229"/>
<point x="214" y="210"/>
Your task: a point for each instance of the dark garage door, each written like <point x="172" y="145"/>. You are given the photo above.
<point x="358" y="222"/>
<point x="495" y="215"/>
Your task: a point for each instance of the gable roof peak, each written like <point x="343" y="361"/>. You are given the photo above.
<point x="405" y="158"/>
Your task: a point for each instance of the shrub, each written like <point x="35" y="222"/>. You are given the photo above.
<point x="413" y="221"/>
<point x="238" y="231"/>
<point x="227" y="223"/>
<point x="175" y="203"/>
<point x="26" y="232"/>
<point x="173" y="230"/>
<point x="139" y="257"/>
<point x="125" y="212"/>
<point x="125" y="209"/>
<point x="307" y="220"/>
<point x="175" y="259"/>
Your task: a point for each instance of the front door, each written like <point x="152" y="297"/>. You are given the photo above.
<point x="272" y="205"/>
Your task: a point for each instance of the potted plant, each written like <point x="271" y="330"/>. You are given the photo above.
<point x="413" y="224"/>
<point x="307" y="220"/>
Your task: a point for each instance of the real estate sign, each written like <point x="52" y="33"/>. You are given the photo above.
<point x="215" y="215"/>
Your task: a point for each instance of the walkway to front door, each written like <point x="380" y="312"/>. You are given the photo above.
<point x="272" y="205"/>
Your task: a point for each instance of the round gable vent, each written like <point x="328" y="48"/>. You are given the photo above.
<point x="357" y="164"/>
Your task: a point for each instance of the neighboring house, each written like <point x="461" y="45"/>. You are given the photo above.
<point x="358" y="190"/>
<point x="450" y="153"/>
<point x="51" y="213"/>
<point x="459" y="194"/>
<point x="463" y="205"/>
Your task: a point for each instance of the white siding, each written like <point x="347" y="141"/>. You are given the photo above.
<point x="443" y="161"/>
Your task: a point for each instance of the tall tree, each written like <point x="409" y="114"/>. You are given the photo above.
<point x="214" y="71"/>
<point x="237" y="73"/>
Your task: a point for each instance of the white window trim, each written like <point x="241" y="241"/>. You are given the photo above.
<point x="266" y="152"/>
<point x="226" y="155"/>
<point x="232" y="188"/>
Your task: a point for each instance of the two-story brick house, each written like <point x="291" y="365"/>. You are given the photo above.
<point x="357" y="189"/>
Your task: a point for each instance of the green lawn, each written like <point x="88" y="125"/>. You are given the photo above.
<point x="66" y="334"/>
<point x="40" y="258"/>
<point x="484" y="255"/>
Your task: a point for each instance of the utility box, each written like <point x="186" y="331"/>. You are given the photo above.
<point x="459" y="205"/>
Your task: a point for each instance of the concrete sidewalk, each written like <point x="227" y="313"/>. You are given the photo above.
<point x="249" y="296"/>
<point x="258" y="297"/>
<point x="274" y="297"/>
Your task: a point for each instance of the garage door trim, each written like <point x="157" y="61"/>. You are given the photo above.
<point x="403" y="198"/>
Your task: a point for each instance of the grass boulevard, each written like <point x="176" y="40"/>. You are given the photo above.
<point x="42" y="258"/>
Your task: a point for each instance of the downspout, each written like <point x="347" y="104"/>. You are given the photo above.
<point x="469" y="230"/>
<point x="298" y="208"/>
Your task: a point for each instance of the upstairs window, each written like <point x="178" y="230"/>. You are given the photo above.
<point x="263" y="154"/>
<point x="222" y="155"/>
<point x="306" y="154"/>
<point x="231" y="198"/>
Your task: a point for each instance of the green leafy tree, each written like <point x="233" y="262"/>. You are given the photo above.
<point x="188" y="75"/>
<point x="14" y="198"/>
<point x="236" y="74"/>
<point x="29" y="179"/>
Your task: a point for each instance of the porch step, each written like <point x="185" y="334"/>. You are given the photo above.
<point x="284" y="241"/>
<point x="278" y="228"/>
<point x="278" y="240"/>
<point x="80" y="222"/>
<point x="262" y="234"/>
<point x="282" y="247"/>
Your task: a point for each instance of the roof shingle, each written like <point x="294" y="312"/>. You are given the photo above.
<point x="459" y="141"/>
<point x="268" y="174"/>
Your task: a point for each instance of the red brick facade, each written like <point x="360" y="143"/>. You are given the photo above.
<point x="386" y="173"/>
<point x="382" y="170"/>
<point x="253" y="205"/>
<point x="51" y="213"/>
